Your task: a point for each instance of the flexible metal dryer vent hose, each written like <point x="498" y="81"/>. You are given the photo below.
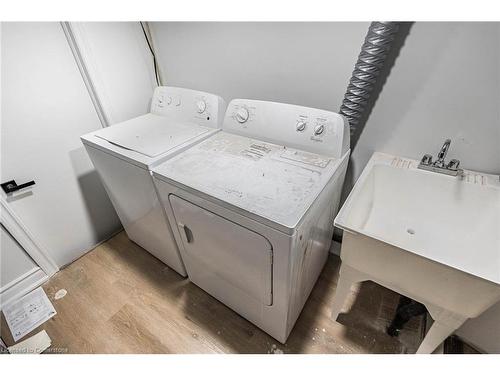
<point x="371" y="60"/>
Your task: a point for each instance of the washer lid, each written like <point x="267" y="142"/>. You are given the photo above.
<point x="153" y="137"/>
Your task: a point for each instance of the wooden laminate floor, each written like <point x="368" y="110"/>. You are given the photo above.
<point x="120" y="299"/>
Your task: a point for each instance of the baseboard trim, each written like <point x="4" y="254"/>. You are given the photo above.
<point x="22" y="285"/>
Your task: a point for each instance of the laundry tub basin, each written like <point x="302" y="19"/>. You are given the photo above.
<point x="432" y="237"/>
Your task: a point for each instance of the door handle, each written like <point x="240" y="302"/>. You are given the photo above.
<point x="11" y="186"/>
<point x="185" y="232"/>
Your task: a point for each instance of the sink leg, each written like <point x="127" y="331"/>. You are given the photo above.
<point x="438" y="332"/>
<point x="347" y="277"/>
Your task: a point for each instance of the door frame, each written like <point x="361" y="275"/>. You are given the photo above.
<point x="22" y="235"/>
<point x="75" y="35"/>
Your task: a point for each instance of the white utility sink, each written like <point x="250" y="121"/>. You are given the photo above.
<point x="432" y="237"/>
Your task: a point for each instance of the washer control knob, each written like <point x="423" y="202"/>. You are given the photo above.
<point x="201" y="105"/>
<point x="168" y="100"/>
<point x="319" y="129"/>
<point x="242" y="115"/>
<point x="301" y="126"/>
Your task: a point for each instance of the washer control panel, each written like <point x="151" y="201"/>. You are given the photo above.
<point x="309" y="129"/>
<point x="199" y="107"/>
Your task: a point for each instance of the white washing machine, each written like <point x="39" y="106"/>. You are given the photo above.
<point x="123" y="155"/>
<point x="252" y="207"/>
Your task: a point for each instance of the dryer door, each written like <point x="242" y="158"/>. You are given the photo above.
<point x="224" y="255"/>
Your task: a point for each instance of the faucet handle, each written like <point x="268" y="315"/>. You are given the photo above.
<point x="453" y="164"/>
<point x="426" y="159"/>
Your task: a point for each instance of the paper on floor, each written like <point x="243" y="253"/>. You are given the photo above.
<point x="28" y="312"/>
<point x="36" y="344"/>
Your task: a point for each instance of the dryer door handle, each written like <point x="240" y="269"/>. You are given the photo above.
<point x="186" y="233"/>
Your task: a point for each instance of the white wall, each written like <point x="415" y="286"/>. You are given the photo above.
<point x="445" y="84"/>
<point x="300" y="63"/>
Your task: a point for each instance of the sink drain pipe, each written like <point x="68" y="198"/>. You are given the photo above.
<point x="371" y="62"/>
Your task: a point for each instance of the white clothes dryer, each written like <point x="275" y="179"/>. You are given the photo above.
<point x="252" y="207"/>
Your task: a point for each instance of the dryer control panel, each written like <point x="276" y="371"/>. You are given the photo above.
<point x="199" y="107"/>
<point x="305" y="128"/>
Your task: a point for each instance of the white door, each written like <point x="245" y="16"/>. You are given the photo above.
<point x="45" y="110"/>
<point x="220" y="251"/>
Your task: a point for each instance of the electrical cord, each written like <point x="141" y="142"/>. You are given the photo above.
<point x="155" y="64"/>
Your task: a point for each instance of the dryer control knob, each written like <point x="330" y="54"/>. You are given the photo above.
<point x="319" y="129"/>
<point x="242" y="115"/>
<point x="301" y="126"/>
<point x="201" y="105"/>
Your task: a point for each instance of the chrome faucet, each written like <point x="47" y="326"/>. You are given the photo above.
<point x="442" y="154"/>
<point x="440" y="165"/>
